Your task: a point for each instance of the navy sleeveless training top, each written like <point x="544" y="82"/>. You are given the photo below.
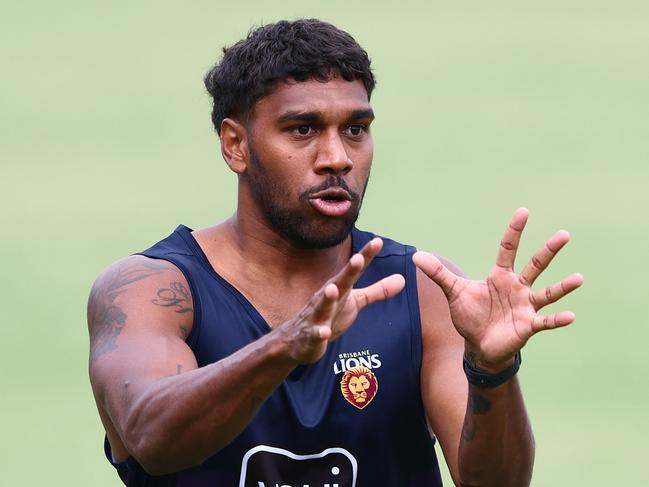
<point x="353" y="419"/>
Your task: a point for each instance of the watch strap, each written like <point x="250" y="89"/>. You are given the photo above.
<point x="481" y="378"/>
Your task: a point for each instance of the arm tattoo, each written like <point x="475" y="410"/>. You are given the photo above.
<point x="175" y="296"/>
<point x="477" y="405"/>
<point x="105" y="318"/>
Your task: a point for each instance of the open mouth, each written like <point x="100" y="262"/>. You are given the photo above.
<point x="331" y="202"/>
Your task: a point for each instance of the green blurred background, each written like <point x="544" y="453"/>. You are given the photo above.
<point x="106" y="145"/>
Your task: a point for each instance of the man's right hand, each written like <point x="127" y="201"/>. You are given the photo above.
<point x="333" y="309"/>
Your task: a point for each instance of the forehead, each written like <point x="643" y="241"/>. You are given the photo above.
<point x="333" y="98"/>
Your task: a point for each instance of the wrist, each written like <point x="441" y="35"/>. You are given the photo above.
<point x="478" y="361"/>
<point x="280" y="349"/>
<point x="297" y="345"/>
<point x="492" y="375"/>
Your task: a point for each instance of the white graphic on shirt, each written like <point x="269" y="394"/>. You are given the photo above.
<point x="268" y="466"/>
<point x="349" y="360"/>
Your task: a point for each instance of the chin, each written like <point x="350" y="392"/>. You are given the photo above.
<point x="322" y="239"/>
<point x="308" y="229"/>
<point x="317" y="234"/>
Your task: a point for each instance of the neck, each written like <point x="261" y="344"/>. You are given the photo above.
<point x="268" y="253"/>
<point x="273" y="273"/>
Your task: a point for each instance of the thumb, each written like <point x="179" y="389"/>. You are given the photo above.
<point x="433" y="268"/>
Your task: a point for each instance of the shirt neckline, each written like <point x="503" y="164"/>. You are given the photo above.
<point x="186" y="234"/>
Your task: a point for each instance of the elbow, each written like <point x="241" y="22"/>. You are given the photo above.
<point x="147" y="454"/>
<point x="157" y="456"/>
<point x="155" y="444"/>
<point x="143" y="440"/>
<point x="155" y="460"/>
<point x="143" y="436"/>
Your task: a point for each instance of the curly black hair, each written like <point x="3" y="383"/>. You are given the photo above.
<point x="287" y="50"/>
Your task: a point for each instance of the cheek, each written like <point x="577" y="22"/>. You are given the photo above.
<point x="289" y="168"/>
<point x="362" y="159"/>
<point x="362" y="152"/>
<point x="279" y="150"/>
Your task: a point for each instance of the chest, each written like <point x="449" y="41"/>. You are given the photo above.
<point x="376" y="359"/>
<point x="274" y="302"/>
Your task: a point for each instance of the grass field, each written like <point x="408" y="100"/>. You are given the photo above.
<point x="106" y="145"/>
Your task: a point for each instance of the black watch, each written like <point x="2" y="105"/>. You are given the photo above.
<point x="481" y="378"/>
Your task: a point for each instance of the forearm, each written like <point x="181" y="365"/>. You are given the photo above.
<point x="497" y="444"/>
<point x="177" y="422"/>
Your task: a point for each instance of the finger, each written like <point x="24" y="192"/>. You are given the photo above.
<point x="555" y="292"/>
<point x="384" y="289"/>
<point x="549" y="322"/>
<point x="371" y="249"/>
<point x="542" y="257"/>
<point x="511" y="239"/>
<point x="349" y="274"/>
<point x="324" y="308"/>
<point x="433" y="268"/>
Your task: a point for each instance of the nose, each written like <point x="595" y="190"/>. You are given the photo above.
<point x="332" y="155"/>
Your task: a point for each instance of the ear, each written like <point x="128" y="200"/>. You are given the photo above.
<point x="234" y="145"/>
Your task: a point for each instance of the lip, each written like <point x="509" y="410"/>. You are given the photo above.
<point x="331" y="202"/>
<point x="337" y="193"/>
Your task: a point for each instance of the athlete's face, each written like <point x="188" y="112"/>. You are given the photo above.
<point x="310" y="152"/>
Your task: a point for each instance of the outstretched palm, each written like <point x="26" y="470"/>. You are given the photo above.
<point x="498" y="315"/>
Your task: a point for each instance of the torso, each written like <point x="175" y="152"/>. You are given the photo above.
<point x="312" y="420"/>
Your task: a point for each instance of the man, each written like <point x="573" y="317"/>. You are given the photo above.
<point x="283" y="347"/>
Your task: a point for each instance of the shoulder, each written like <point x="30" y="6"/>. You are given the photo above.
<point x="140" y="290"/>
<point x="135" y="271"/>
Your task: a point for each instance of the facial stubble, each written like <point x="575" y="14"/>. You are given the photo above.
<point x="299" y="223"/>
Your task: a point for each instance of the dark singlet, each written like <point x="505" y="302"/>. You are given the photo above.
<point x="353" y="419"/>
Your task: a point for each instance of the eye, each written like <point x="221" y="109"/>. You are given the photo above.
<point x="356" y="130"/>
<point x="302" y="130"/>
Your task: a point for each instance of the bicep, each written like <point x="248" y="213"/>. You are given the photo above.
<point x="139" y="313"/>
<point x="443" y="384"/>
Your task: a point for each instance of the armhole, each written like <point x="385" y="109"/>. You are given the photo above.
<point x="416" y="340"/>
<point x="192" y="339"/>
<point x="415" y="317"/>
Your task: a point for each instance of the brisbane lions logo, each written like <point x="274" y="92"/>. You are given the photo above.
<point x="359" y="386"/>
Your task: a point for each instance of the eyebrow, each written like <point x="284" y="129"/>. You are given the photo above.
<point x="362" y="114"/>
<point x="316" y="117"/>
<point x="297" y="116"/>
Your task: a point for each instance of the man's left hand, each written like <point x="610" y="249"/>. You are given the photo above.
<point x="498" y="316"/>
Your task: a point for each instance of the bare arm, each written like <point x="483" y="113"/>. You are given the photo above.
<point x="153" y="400"/>
<point x="484" y="432"/>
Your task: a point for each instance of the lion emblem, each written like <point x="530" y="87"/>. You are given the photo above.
<point x="359" y="386"/>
